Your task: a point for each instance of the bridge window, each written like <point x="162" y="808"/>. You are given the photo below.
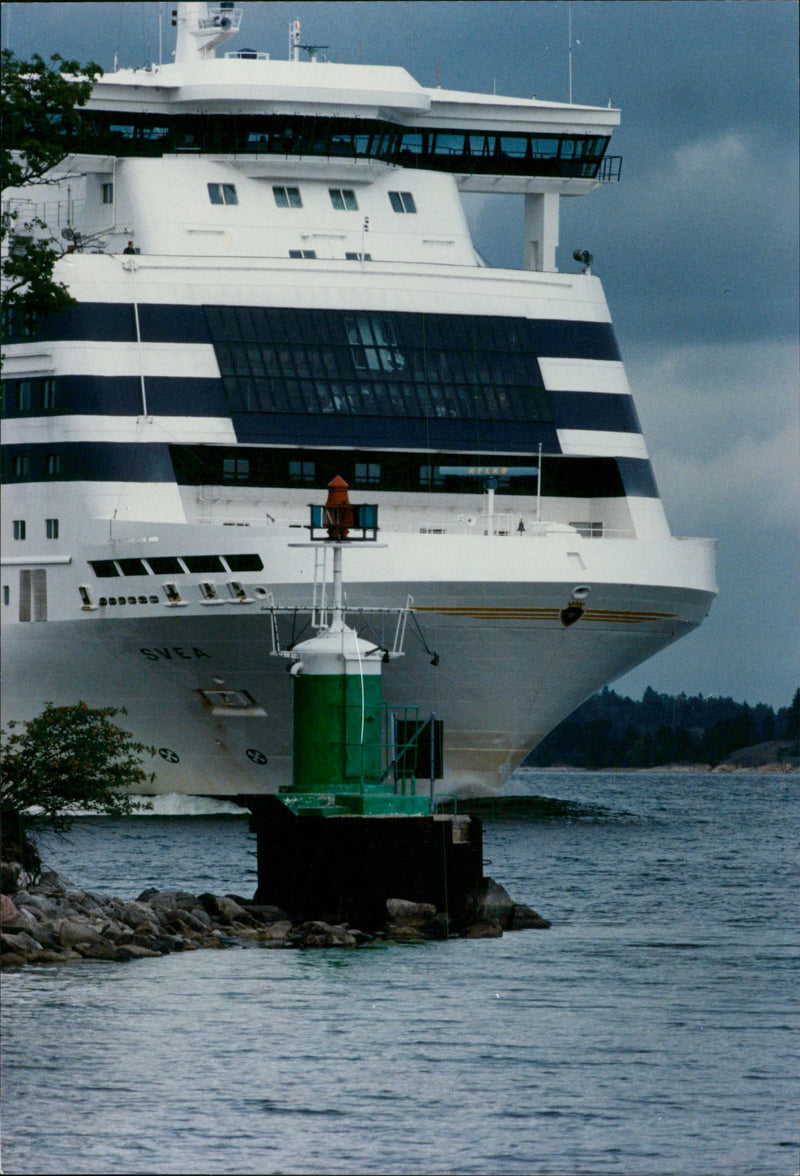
<point x="222" y="194"/>
<point x="53" y="464"/>
<point x="287" y="197"/>
<point x="402" y="202"/>
<point x="108" y="193"/>
<point x="343" y="199"/>
<point x="308" y="254"/>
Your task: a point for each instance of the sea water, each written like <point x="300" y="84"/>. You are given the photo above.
<point x="652" y="1029"/>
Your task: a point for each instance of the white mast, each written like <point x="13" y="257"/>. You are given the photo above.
<point x="202" y="27"/>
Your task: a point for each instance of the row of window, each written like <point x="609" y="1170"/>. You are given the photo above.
<point x="29" y="395"/>
<point x="452" y="473"/>
<point x="20" y="529"/>
<point x="173" y="565"/>
<point x="342" y="199"/>
<point x="310" y="255"/>
<point x="443" y="149"/>
<point x="208" y="592"/>
<point x="21" y="467"/>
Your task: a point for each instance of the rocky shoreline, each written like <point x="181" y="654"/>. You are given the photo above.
<point x="53" y="921"/>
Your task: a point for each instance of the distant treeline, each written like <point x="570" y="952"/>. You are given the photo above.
<point x="610" y="731"/>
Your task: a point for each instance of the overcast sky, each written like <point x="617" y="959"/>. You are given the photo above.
<point x="697" y="246"/>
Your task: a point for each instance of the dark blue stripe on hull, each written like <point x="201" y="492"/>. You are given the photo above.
<point x="605" y="411"/>
<point x="117" y="396"/>
<point x="167" y="323"/>
<point x="108" y="461"/>
<point x="256" y="428"/>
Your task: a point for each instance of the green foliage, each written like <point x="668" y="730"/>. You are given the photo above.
<point x="68" y="758"/>
<point x="41" y="125"/>
<point x="610" y="731"/>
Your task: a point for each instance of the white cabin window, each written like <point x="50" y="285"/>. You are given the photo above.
<point x="108" y="193"/>
<point x="343" y="199"/>
<point x="309" y="254"/>
<point x="402" y="202"/>
<point x="6" y="594"/>
<point x="358" y="257"/>
<point x="222" y="194"/>
<point x="287" y="197"/>
<point x="19" y="528"/>
<point x="51" y="528"/>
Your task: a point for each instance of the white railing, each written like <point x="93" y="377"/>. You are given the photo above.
<point x="445" y="526"/>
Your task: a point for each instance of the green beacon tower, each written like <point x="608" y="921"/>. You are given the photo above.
<point x="348" y="754"/>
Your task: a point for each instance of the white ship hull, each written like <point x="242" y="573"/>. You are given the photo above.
<point x="508" y="670"/>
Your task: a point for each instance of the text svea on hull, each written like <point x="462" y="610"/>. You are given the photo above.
<point x="276" y="285"/>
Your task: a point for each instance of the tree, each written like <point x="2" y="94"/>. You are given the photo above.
<point x="65" y="760"/>
<point x="41" y="125"/>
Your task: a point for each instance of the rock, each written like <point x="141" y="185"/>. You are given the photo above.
<point x="488" y="929"/>
<point x="47" y="932"/>
<point x="409" y="914"/>
<point x="437" y="928"/>
<point x="170" y="899"/>
<point x="488" y="902"/>
<point x="230" y="910"/>
<point x="11" y="959"/>
<point x="267" y="914"/>
<point x="402" y="933"/>
<point x="99" y="950"/>
<point x="20" y="942"/>
<point x="525" y="917"/>
<point x="10" y="915"/>
<point x="132" y="951"/>
<point x="39" y="904"/>
<point x="318" y="934"/>
<point x="77" y="930"/>
<point x="275" y="934"/>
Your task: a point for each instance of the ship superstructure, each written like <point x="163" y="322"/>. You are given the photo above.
<point x="276" y="285"/>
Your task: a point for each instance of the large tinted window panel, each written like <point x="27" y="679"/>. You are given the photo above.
<point x="203" y="563"/>
<point x="244" y="563"/>
<point x="390" y="364"/>
<point x="103" y="568"/>
<point x="637" y="477"/>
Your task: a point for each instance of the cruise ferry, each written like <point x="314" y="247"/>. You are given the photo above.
<point x="275" y="285"/>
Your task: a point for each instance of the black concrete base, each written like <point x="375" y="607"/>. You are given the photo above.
<point x="343" y="869"/>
